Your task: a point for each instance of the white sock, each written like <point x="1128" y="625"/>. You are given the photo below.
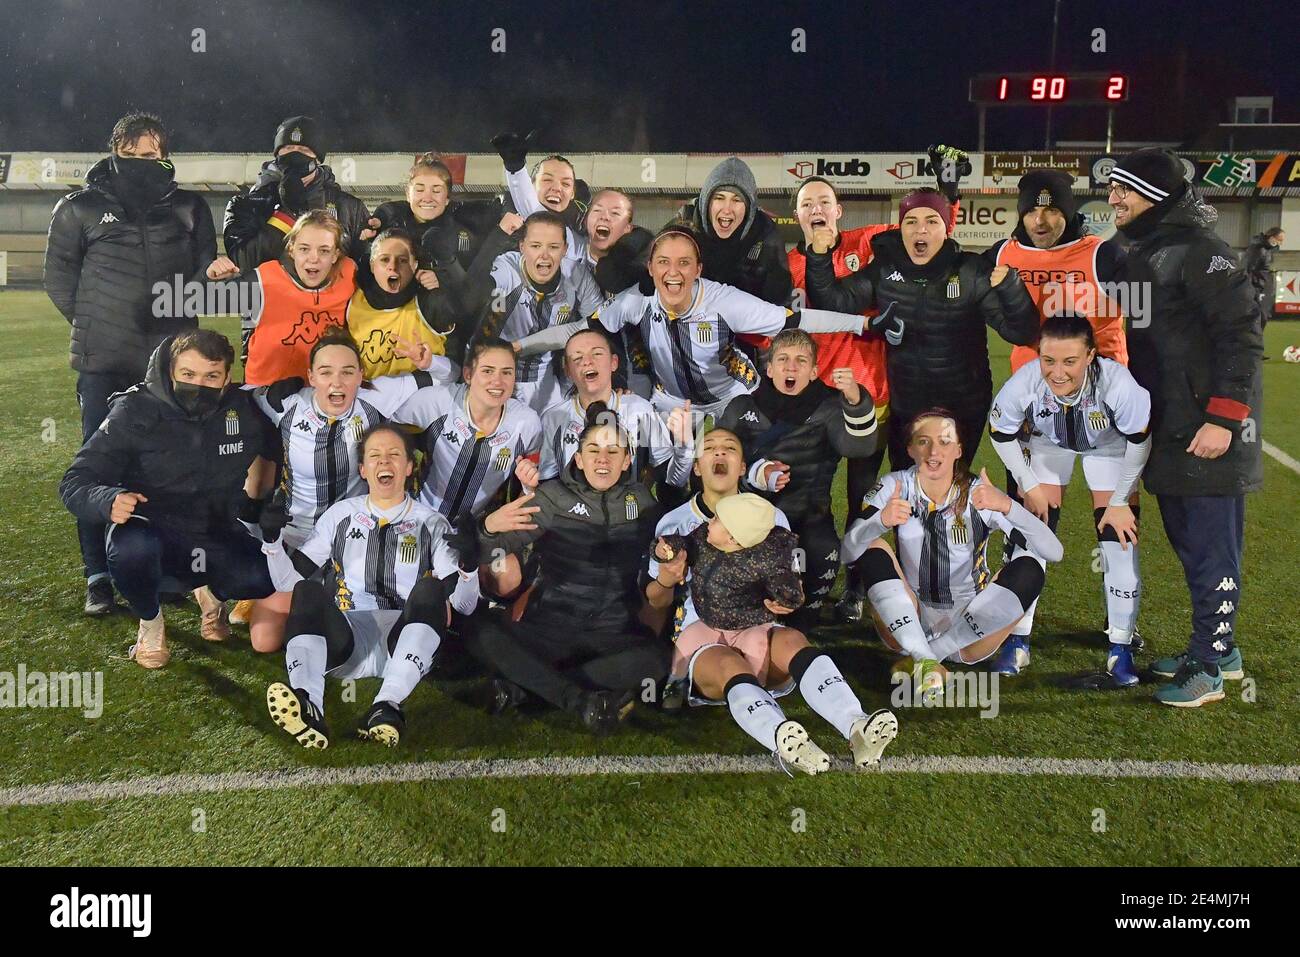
<point x="891" y="602"/>
<point x="1122" y="583"/>
<point x="410" y="661"/>
<point x="756" y="712"/>
<point x="992" y="610"/>
<point x="304" y="658"/>
<point x="827" y="693"/>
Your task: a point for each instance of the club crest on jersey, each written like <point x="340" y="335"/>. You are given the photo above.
<point x="954" y="287"/>
<point x="357" y="427"/>
<point x="630" y="506"/>
<point x="1024" y="450"/>
<point x="852" y="262"/>
<point x="501" y="462"/>
<point x="406" y="550"/>
<point x="462" y="240"/>
<point x="232" y="422"/>
<point x="1098" y="420"/>
<point x="704" y="332"/>
<point x="332" y="210"/>
<point x="959" y="533"/>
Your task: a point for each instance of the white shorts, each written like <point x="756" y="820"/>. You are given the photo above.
<point x="369" y="643"/>
<point x="1054" y="465"/>
<point x="543" y="393"/>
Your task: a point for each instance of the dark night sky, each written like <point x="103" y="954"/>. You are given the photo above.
<point x="619" y="76"/>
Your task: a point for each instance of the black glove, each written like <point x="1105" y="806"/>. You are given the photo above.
<point x="950" y="165"/>
<point x="465" y="543"/>
<point x="274" y="515"/>
<point x="513" y="149"/>
<point x="440" y="245"/>
<point x="888" y="325"/>
<point x="277" y="392"/>
<point x="295" y="167"/>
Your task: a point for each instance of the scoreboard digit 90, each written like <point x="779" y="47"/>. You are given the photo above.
<point x="1049" y="89"/>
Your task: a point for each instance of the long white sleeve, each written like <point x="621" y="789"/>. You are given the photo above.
<point x="1130" y="473"/>
<point x="824" y="320"/>
<point x="1013" y="457"/>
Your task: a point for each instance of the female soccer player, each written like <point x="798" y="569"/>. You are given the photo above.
<point x="1079" y="405"/>
<point x="931" y="594"/>
<point x="391" y="575"/>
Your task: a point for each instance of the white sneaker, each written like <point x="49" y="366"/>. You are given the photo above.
<point x="795" y="749"/>
<point x="150" y="648"/>
<point x="868" y="737"/>
<point x="214" y="625"/>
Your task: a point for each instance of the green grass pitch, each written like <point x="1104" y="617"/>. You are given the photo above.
<point x="205" y="714"/>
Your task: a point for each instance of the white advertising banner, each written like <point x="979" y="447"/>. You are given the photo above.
<point x="983" y="220"/>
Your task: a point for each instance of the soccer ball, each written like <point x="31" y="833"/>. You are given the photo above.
<point x="1291" y="353"/>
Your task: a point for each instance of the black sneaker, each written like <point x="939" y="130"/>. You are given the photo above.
<point x="674" y="694"/>
<point x="599" y="712"/>
<point x="99" y="598"/>
<point x="384" y="724"/>
<point x="504" y="696"/>
<point x="293" y="710"/>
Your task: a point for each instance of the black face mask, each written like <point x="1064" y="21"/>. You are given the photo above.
<point x="142" y="182"/>
<point x="296" y="167"/>
<point x="196" y="400"/>
<point x="296" y="164"/>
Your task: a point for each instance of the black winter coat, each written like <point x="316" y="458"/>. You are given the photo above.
<point x="755" y="261"/>
<point x="944" y="357"/>
<point x="250" y="240"/>
<point x="809" y="432"/>
<point x="457" y="234"/>
<point x="191" y="470"/>
<point x="592" y="547"/>
<point x="1257" y="261"/>
<point x="101" y="265"/>
<point x="1198" y="351"/>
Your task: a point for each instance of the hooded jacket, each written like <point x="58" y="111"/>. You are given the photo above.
<point x="254" y="234"/>
<point x="101" y="264"/>
<point x="191" y="469"/>
<point x="592" y="546"/>
<point x="1198" y="351"/>
<point x="753" y="257"/>
<point x="1258" y="263"/>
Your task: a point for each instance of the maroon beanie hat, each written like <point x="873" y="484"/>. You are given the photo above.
<point x="928" y="198"/>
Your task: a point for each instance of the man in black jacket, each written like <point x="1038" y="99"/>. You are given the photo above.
<point x="109" y="244"/>
<point x="295" y="181"/>
<point x="1198" y="353"/>
<point x="1258" y="263"/>
<point x="166" y="471"/>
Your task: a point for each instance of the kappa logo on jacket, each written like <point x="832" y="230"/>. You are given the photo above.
<point x="1217" y="263"/>
<point x="749" y="416"/>
<point x="896" y="276"/>
<point x="108" y="218"/>
<point x="579" y="509"/>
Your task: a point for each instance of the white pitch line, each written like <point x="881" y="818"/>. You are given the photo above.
<point x="1282" y="457"/>
<point x="487" y="769"/>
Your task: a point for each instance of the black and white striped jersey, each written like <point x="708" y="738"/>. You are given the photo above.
<point x="463" y="466"/>
<point x="563" y="422"/>
<point x="1110" y="407"/>
<point x="693" y="355"/>
<point x="373" y="557"/>
<point x="321" y="451"/>
<point x="524" y="195"/>
<point x="518" y="308"/>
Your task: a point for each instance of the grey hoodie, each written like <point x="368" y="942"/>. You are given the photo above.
<point x="733" y="173"/>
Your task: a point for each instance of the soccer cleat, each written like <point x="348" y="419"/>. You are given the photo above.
<point x="795" y="749"/>
<point x="599" y="713"/>
<point x="150" y="648"/>
<point x="242" y="612"/>
<point x="384" y="724"/>
<point x="1119" y="666"/>
<point x="849" y="607"/>
<point x="927" y="676"/>
<point x="868" y="737"/>
<point x="1229" y="665"/>
<point x="674" y="694"/>
<point x="214" y="622"/>
<point x="1013" y="656"/>
<point x="99" y="598"/>
<point x="505" y="696"/>
<point x="293" y="711"/>
<point x="1191" y="687"/>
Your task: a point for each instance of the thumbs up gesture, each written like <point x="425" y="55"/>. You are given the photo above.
<point x="987" y="497"/>
<point x="897" y="510"/>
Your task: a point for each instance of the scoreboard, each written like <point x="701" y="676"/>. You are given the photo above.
<point x="1049" y="89"/>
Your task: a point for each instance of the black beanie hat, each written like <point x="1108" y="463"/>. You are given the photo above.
<point x="1047" y="187"/>
<point x="1154" y="173"/>
<point x="300" y="131"/>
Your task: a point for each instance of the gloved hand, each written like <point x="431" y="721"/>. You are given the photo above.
<point x="513" y="149"/>
<point x="278" y="391"/>
<point x="465" y="542"/>
<point x="274" y="516"/>
<point x="295" y="167"/>
<point x="440" y="246"/>
<point x="950" y="165"/>
<point x="888" y="325"/>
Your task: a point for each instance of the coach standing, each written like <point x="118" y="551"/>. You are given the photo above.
<point x="109" y="243"/>
<point x="1198" y="353"/>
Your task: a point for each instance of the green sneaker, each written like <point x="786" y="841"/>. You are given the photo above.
<point x="1191" y="687"/>
<point x="1229" y="665"/>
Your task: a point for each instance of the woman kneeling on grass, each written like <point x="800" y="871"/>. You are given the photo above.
<point x="934" y="598"/>
<point x="743" y="576"/>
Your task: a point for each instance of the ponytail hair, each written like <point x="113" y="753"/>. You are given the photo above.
<point x="601" y="416"/>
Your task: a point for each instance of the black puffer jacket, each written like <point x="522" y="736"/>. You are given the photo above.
<point x="250" y="240"/>
<point x="1199" y="350"/>
<point x="457" y="234"/>
<point x="943" y="358"/>
<point x="1258" y="263"/>
<point x="592" y="546"/>
<point x="101" y="265"/>
<point x="191" y="470"/>
<point x="809" y="432"/>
